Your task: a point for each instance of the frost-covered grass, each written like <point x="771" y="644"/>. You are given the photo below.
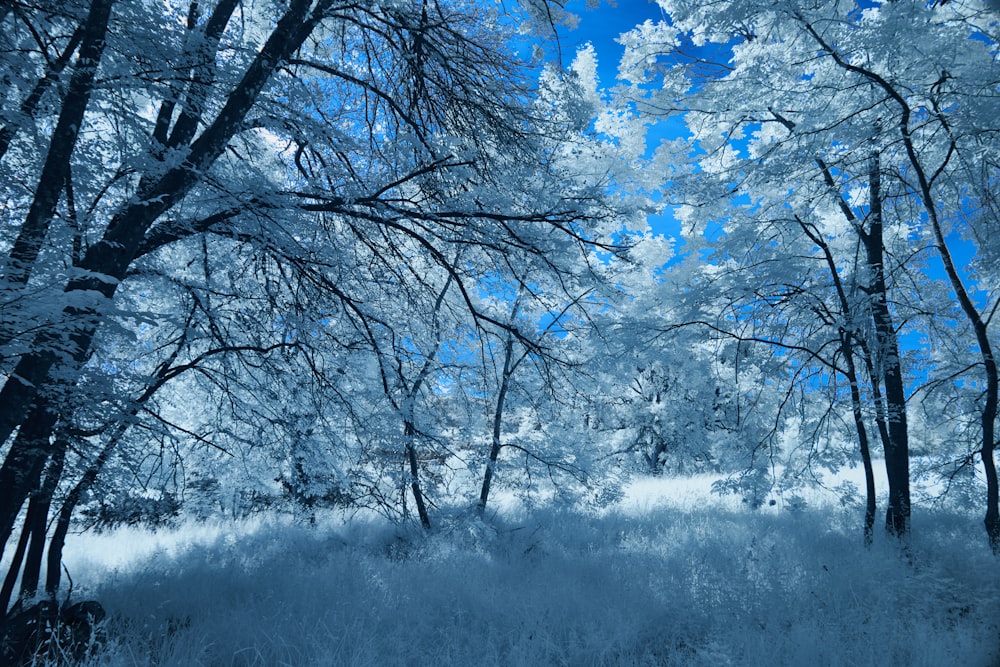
<point x="653" y="582"/>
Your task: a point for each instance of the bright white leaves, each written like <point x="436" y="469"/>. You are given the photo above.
<point x="643" y="46"/>
<point x="781" y="91"/>
<point x="785" y="104"/>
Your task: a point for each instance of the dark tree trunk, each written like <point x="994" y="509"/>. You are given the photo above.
<point x="30" y="104"/>
<point x="22" y="468"/>
<point x="10" y="581"/>
<point x="859" y="424"/>
<point x="992" y="520"/>
<point x="897" y="454"/>
<point x="33" y="534"/>
<point x="847" y="339"/>
<point x="411" y="455"/>
<point x="409" y="424"/>
<point x="36" y="521"/>
<point x="988" y="416"/>
<point x="36" y="371"/>
<point x="53" y="564"/>
<point x="57" y="160"/>
<point x="496" y="445"/>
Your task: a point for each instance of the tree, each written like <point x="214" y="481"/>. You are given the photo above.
<point x="506" y="356"/>
<point x="797" y="116"/>
<point x="236" y="191"/>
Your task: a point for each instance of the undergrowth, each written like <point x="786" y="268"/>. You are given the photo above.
<point x="667" y="586"/>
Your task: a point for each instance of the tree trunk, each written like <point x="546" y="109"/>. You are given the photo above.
<point x="897" y="454"/>
<point x="30" y="104"/>
<point x="495" y="445"/>
<point x="7" y="592"/>
<point x="32" y="533"/>
<point x="411" y="455"/>
<point x="988" y="416"/>
<point x="36" y="522"/>
<point x="22" y="468"/>
<point x="847" y="337"/>
<point x="859" y="424"/>
<point x="55" y="170"/>
<point x="53" y="563"/>
<point x="409" y="403"/>
<point x="106" y="262"/>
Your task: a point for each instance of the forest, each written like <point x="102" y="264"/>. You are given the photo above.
<point x="377" y="332"/>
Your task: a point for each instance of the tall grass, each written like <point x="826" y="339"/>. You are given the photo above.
<point x="661" y="584"/>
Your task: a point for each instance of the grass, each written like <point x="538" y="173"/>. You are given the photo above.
<point x="659" y="582"/>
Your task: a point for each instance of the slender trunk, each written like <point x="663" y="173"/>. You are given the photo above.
<point x="859" y="423"/>
<point x="30" y="104"/>
<point x="22" y="468"/>
<point x="897" y="455"/>
<point x="496" y="445"/>
<point x="876" y="380"/>
<point x="58" y="540"/>
<point x="411" y="455"/>
<point x="877" y="398"/>
<point x="37" y="520"/>
<point x="992" y="519"/>
<point x="33" y="534"/>
<point x="988" y="416"/>
<point x="847" y="349"/>
<point x="12" y="571"/>
<point x="55" y="170"/>
<point x="409" y="425"/>
<point x="202" y="74"/>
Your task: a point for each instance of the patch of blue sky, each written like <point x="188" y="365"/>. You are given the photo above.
<point x="551" y="323"/>
<point x="496" y="286"/>
<point x="602" y="28"/>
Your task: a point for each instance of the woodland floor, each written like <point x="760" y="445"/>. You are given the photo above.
<point x="670" y="576"/>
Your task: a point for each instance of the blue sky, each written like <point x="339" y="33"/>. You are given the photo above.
<point x="602" y="26"/>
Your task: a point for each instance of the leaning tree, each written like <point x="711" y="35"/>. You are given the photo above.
<point x="230" y="188"/>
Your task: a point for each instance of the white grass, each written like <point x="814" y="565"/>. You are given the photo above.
<point x="672" y="577"/>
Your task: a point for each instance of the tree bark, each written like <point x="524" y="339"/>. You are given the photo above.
<point x="53" y="563"/>
<point x="10" y="581"/>
<point x="988" y="416"/>
<point x="23" y="465"/>
<point x="847" y="337"/>
<point x="897" y="454"/>
<point x="33" y="230"/>
<point x="409" y="431"/>
<point x="496" y="445"/>
<point x="859" y="423"/>
<point x="36" y="523"/>
<point x="30" y="104"/>
<point x="106" y="262"/>
<point x="409" y="403"/>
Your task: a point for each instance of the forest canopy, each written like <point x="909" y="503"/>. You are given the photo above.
<point x="295" y="255"/>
